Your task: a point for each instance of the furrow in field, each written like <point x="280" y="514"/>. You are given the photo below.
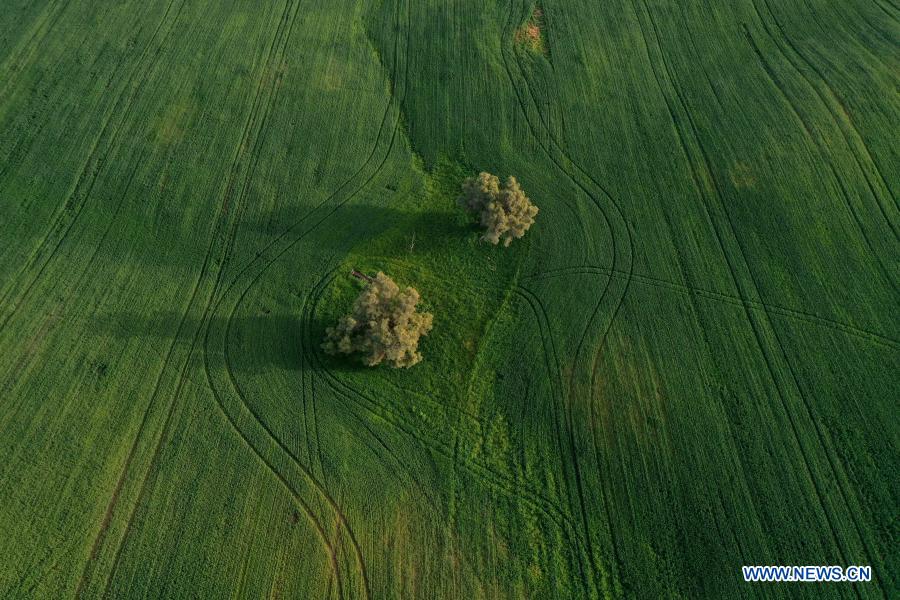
<point x="891" y="10"/>
<point x="870" y="50"/>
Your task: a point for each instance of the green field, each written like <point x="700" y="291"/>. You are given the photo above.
<point x="689" y="364"/>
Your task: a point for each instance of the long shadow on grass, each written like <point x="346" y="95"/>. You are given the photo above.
<point x="391" y="228"/>
<point x="273" y="340"/>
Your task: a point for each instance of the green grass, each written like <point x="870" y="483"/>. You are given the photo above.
<point x="689" y="364"/>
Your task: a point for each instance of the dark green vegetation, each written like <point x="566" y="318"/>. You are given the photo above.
<point x="690" y="363"/>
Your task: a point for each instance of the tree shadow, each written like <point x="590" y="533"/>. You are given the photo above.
<point x="428" y="230"/>
<point x="269" y="339"/>
<point x="273" y="340"/>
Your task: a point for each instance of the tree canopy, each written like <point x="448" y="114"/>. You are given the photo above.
<point x="383" y="325"/>
<point x="505" y="212"/>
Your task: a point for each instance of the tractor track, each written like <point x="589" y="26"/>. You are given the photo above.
<point x="489" y="476"/>
<point x="619" y="232"/>
<point x="338" y="198"/>
<point x="838" y="111"/>
<point x="13" y="63"/>
<point x="707" y="169"/>
<point x="777" y="84"/>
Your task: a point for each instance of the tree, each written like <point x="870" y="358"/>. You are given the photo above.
<point x="506" y="213"/>
<point x="383" y="325"/>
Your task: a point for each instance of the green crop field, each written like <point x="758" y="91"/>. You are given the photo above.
<point x="690" y="363"/>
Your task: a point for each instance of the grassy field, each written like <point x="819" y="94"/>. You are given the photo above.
<point x="689" y="364"/>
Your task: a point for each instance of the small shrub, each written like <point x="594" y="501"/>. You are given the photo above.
<point x="383" y="325"/>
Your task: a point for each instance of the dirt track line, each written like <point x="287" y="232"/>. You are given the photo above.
<point x="308" y="350"/>
<point x="728" y="259"/>
<point x="476" y="365"/>
<point x="729" y="436"/>
<point x="248" y="132"/>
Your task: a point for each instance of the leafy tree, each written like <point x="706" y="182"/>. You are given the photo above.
<point x="506" y="213"/>
<point x="383" y="325"/>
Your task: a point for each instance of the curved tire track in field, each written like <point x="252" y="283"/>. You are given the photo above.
<point x="308" y="348"/>
<point x="249" y="136"/>
<point x="497" y="481"/>
<point x="768" y="356"/>
<point x="622" y="241"/>
<point x="835" y="464"/>
<point x="871" y="336"/>
<point x="229" y="397"/>
<point x="702" y="163"/>
<point x="90" y="171"/>
<point x="555" y="377"/>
